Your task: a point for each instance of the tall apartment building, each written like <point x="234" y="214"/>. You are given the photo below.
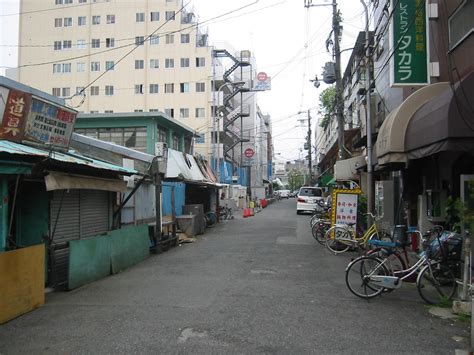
<point x="130" y="56"/>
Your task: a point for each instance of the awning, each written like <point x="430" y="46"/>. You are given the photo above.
<point x="185" y="167"/>
<point x="62" y="181"/>
<point x="390" y="145"/>
<point x="326" y="178"/>
<point x="444" y="123"/>
<point x="347" y="169"/>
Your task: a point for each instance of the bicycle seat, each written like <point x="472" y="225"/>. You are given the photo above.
<point x="384" y="244"/>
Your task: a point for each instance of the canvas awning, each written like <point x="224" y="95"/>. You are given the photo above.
<point x="390" y="145"/>
<point x="185" y="167"/>
<point x="444" y="123"/>
<point x="347" y="169"/>
<point x="62" y="181"/>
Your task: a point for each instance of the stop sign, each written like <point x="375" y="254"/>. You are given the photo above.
<point x="249" y="152"/>
<point x="262" y="76"/>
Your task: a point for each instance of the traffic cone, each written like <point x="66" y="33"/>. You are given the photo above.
<point x="245" y="213"/>
<point x="252" y="212"/>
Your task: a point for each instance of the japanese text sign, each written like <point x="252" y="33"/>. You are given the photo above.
<point x="409" y="63"/>
<point x="344" y="206"/>
<point x="17" y="106"/>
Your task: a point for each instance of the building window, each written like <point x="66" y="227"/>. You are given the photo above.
<point x="67" y="44"/>
<point x="153" y="110"/>
<point x="67" y="2"/>
<point x="95" y="66"/>
<point x="81" y="44"/>
<point x="58" y="22"/>
<point x="461" y="24"/>
<point x="94" y="90"/>
<point x="169" y="38"/>
<point x="110" y="19"/>
<point x="139" y="40"/>
<point x="81" y="21"/>
<point x="66" y="92"/>
<point x="96" y="20"/>
<point x="94" y="111"/>
<point x="154" y="88"/>
<point x="184" y="87"/>
<point x="132" y="137"/>
<point x="95" y="43"/>
<point x="109" y="90"/>
<point x="139" y="64"/>
<point x="201" y="139"/>
<point x="110" y="42"/>
<point x="154" y="63"/>
<point x="58" y="2"/>
<point x="154" y="40"/>
<point x="175" y="142"/>
<point x="169" y="15"/>
<point x="57" y="68"/>
<point x="169" y="88"/>
<point x="138" y="110"/>
<point x="66" y="67"/>
<point x="170" y="112"/>
<point x="108" y="111"/>
<point x="67" y="22"/>
<point x="200" y="87"/>
<point x="140" y="17"/>
<point x="184" y="62"/>
<point x="109" y="65"/>
<point x="139" y="89"/>
<point x="154" y="16"/>
<point x="185" y="38"/>
<point x="56" y="92"/>
<point x="58" y="45"/>
<point x="169" y="63"/>
<point x="82" y="1"/>
<point x="162" y="134"/>
<point x="200" y="62"/>
<point x="81" y="67"/>
<point x="200" y="112"/>
<point x="183" y="112"/>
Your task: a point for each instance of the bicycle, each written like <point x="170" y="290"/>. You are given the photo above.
<point x="369" y="276"/>
<point x="225" y="213"/>
<point x="210" y="218"/>
<point x="340" y="237"/>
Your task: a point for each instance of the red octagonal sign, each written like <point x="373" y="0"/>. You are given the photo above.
<point x="249" y="152"/>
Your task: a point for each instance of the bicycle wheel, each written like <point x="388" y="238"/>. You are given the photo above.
<point x="337" y="239"/>
<point x="211" y="219"/>
<point x="436" y="283"/>
<point x="358" y="274"/>
<point x="318" y="231"/>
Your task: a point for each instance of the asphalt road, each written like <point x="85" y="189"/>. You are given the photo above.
<point x="258" y="285"/>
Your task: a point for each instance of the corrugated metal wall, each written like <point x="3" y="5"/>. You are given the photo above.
<point x="179" y="197"/>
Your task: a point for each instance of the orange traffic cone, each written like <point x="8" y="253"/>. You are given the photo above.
<point x="245" y="213"/>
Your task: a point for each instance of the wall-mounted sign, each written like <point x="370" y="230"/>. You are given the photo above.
<point x="49" y="124"/>
<point x="249" y="152"/>
<point x="409" y="33"/>
<point x="26" y="118"/>
<point x="16" y="108"/>
<point x="262" y="82"/>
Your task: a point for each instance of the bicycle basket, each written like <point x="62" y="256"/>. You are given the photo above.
<point x="447" y="246"/>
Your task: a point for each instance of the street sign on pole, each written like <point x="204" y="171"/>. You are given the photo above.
<point x="249" y="152"/>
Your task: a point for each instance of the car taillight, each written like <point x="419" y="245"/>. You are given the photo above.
<point x="301" y="199"/>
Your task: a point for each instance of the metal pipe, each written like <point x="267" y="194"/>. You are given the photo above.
<point x="368" y="118"/>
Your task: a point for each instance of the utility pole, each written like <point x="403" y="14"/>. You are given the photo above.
<point x="339" y="99"/>
<point x="337" y="57"/>
<point x="309" y="149"/>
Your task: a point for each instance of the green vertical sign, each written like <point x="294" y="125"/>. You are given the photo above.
<point x="410" y="59"/>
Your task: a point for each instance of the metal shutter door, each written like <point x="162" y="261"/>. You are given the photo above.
<point x="68" y="222"/>
<point x="95" y="210"/>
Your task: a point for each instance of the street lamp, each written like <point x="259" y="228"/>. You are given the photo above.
<point x="218" y="111"/>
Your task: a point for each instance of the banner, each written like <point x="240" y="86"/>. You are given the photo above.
<point x="14" y="115"/>
<point x="409" y="62"/>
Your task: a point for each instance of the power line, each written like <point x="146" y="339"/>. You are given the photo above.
<point x="54" y="9"/>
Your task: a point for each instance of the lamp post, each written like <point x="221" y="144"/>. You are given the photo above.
<point x="235" y="84"/>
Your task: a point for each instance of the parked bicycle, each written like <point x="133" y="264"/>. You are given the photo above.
<point x="369" y="276"/>
<point x="211" y="219"/>
<point x="341" y="237"/>
<point x="225" y="213"/>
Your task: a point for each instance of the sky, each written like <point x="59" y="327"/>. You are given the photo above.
<point x="287" y="40"/>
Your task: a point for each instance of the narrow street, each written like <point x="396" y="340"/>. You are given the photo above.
<point x="255" y="285"/>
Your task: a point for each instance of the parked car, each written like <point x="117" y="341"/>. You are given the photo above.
<point x="308" y="198"/>
<point x="284" y="193"/>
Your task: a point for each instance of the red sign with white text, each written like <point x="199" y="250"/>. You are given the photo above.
<point x="17" y="107"/>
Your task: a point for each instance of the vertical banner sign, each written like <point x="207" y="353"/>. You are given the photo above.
<point x="409" y="62"/>
<point x="14" y="116"/>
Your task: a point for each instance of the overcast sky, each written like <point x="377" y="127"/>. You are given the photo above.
<point x="287" y="39"/>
